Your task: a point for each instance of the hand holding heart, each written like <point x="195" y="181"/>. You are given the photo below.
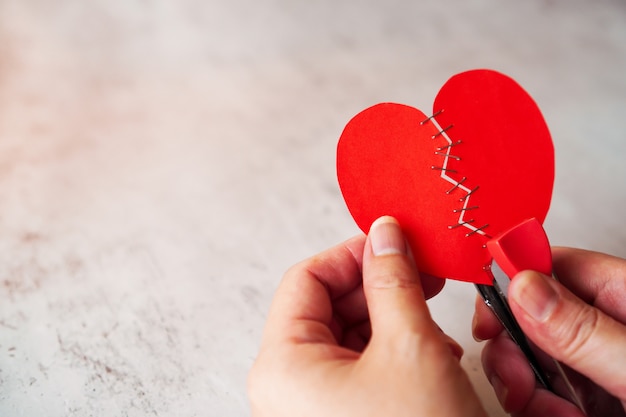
<point x="349" y="334"/>
<point x="580" y="321"/>
<point x="334" y="347"/>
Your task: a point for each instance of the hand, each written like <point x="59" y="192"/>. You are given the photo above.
<point x="583" y="327"/>
<point x="341" y="342"/>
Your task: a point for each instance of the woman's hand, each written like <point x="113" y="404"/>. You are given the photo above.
<point x="349" y="334"/>
<point x="580" y="321"/>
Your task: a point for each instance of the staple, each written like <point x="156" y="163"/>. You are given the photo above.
<point x="479" y="229"/>
<point x="443" y="169"/>
<point x="460" y="224"/>
<point x="464" y="209"/>
<point x="449" y="145"/>
<point x="458" y="158"/>
<point x="441" y="132"/>
<point x="456" y="185"/>
<point x="470" y="192"/>
<point x="430" y="117"/>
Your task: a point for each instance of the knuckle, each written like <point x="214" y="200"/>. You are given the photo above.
<point x="394" y="276"/>
<point x="392" y="279"/>
<point x="577" y="334"/>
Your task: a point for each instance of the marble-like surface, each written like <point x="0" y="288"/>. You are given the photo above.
<point x="162" y="163"/>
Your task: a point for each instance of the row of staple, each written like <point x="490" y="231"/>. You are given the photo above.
<point x="445" y="152"/>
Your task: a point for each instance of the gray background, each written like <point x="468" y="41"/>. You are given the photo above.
<point x="162" y="163"/>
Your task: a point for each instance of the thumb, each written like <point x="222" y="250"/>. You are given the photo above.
<point x="391" y="283"/>
<point x="570" y="330"/>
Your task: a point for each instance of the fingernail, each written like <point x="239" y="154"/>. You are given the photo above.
<point x="500" y="389"/>
<point x="534" y="294"/>
<point x="386" y="237"/>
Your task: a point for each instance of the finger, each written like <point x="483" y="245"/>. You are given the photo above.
<point x="544" y="403"/>
<point x="391" y="283"/>
<point x="514" y="383"/>
<point x="431" y="285"/>
<point x="508" y="372"/>
<point x="596" y="278"/>
<point x="351" y="308"/>
<point x="570" y="330"/>
<point x="357" y="337"/>
<point x="302" y="307"/>
<point x="485" y="325"/>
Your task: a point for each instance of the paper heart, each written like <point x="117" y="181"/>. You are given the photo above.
<point x="481" y="164"/>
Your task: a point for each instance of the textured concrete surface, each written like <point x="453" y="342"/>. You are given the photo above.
<point x="162" y="163"/>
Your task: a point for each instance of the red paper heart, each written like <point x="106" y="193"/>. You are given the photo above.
<point x="494" y="159"/>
